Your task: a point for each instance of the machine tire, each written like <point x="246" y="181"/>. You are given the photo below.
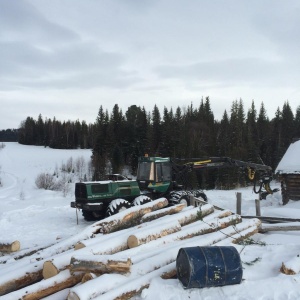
<point x="140" y="200"/>
<point x="179" y="197"/>
<point x="88" y="215"/>
<point x="200" y="194"/>
<point x="116" y="206"/>
<point x="184" y="199"/>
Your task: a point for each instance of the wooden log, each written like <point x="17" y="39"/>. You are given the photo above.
<point x="272" y="219"/>
<point x="10" y="246"/>
<point x="47" y="287"/>
<point x="291" y="267"/>
<point x="99" y="264"/>
<point x="50" y="270"/>
<point x="135" y="286"/>
<point x="183" y="217"/>
<point x="104" y="245"/>
<point x="163" y="212"/>
<point x="280" y="227"/>
<point x="238" y="238"/>
<point x="129" y="217"/>
<point x="22" y="277"/>
<point x="96" y="287"/>
<point x="87" y="277"/>
<point x="147" y="235"/>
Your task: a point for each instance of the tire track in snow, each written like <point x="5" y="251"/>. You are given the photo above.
<point x="12" y="186"/>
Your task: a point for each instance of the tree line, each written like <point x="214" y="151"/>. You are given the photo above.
<point x="117" y="139"/>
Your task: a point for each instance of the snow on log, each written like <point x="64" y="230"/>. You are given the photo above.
<point x="238" y="238"/>
<point x="289" y="226"/>
<point x="117" y="287"/>
<point x="291" y="267"/>
<point x="163" y="212"/>
<point x="99" y="264"/>
<point x="46" y="287"/>
<point x="128" y="217"/>
<point x="194" y="229"/>
<point x="147" y="235"/>
<point x="194" y="214"/>
<point x="9" y="246"/>
<point x="96" y="287"/>
<point x="23" y="276"/>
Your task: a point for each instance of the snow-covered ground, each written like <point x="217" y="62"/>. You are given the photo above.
<point x="38" y="218"/>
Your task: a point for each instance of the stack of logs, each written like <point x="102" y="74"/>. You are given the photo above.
<point x="116" y="258"/>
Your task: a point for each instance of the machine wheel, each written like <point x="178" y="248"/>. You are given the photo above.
<point x="117" y="206"/>
<point x="179" y="198"/>
<point x="88" y="215"/>
<point x="184" y="200"/>
<point x="200" y="194"/>
<point x="140" y="200"/>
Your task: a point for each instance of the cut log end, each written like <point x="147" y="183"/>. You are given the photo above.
<point x="132" y="241"/>
<point x="87" y="277"/>
<point x="49" y="270"/>
<point x="79" y="245"/>
<point x="10" y="247"/>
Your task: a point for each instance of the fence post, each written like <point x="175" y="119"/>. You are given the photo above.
<point x="239" y="203"/>
<point x="257" y="207"/>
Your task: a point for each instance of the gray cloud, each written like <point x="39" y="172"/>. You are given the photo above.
<point x="249" y="71"/>
<point x="169" y="52"/>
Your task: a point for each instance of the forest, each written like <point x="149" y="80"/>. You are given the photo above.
<point x="120" y="138"/>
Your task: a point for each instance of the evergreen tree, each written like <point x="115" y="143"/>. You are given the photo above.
<point x="297" y="123"/>
<point x="100" y="147"/>
<point x="276" y="139"/>
<point x="252" y="135"/>
<point x="223" y="136"/>
<point x="156" y="131"/>
<point x="287" y="125"/>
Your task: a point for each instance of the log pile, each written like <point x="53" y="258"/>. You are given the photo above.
<point x="116" y="258"/>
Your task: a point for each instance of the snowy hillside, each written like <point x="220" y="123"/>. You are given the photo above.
<point x="39" y="218"/>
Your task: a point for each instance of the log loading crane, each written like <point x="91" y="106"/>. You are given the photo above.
<point x="159" y="176"/>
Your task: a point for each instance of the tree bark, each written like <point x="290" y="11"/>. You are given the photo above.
<point x="130" y="217"/>
<point x="47" y="287"/>
<point x="163" y="212"/>
<point x="99" y="264"/>
<point x="145" y="236"/>
<point x="22" y="277"/>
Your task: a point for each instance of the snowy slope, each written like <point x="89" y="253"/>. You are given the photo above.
<point x="39" y="218"/>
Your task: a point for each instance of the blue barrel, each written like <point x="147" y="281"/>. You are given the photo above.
<point x="199" y="267"/>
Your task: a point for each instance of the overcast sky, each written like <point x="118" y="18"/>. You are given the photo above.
<point x="65" y="58"/>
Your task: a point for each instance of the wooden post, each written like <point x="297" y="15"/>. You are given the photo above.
<point x="239" y="203"/>
<point x="257" y="207"/>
